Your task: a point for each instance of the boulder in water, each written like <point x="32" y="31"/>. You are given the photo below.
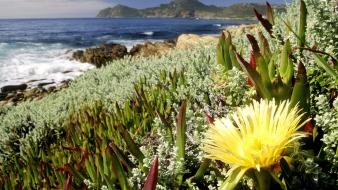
<point x="13" y="88"/>
<point x="79" y="55"/>
<point x="101" y="55"/>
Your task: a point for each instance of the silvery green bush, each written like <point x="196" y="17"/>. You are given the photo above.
<point x="322" y="25"/>
<point x="113" y="83"/>
<point x="43" y="119"/>
<point x="327" y="119"/>
<point x="38" y="124"/>
<point x="322" y="21"/>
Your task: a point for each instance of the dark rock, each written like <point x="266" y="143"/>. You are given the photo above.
<point x="3" y="96"/>
<point x="68" y="51"/>
<point x="51" y="89"/>
<point x="10" y="96"/>
<point x="13" y="88"/>
<point x="17" y="97"/>
<point x="171" y="41"/>
<point x="101" y="55"/>
<point x="40" y="85"/>
<point x="31" y="81"/>
<point x="67" y="71"/>
<point x="150" y="49"/>
<point x="78" y="55"/>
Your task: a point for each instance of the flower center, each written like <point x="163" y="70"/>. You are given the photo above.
<point x="259" y="150"/>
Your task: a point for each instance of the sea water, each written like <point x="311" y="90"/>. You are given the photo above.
<point x="39" y="50"/>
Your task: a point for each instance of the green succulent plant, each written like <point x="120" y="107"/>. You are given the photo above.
<point x="226" y="52"/>
<point x="271" y="72"/>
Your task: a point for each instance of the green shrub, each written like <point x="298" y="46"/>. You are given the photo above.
<point x="111" y="84"/>
<point x="321" y="24"/>
<point x="92" y="137"/>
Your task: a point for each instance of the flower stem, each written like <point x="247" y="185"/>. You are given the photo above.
<point x="262" y="180"/>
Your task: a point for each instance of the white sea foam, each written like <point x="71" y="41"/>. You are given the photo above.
<point x="38" y="63"/>
<point x="3" y="45"/>
<point x="34" y="63"/>
<point x="131" y="43"/>
<point x="148" y="33"/>
<point x="231" y="26"/>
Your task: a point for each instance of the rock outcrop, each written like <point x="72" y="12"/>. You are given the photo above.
<point x="150" y="49"/>
<point x="101" y="55"/>
<point x="13" y="88"/>
<point x="186" y="41"/>
<point x="18" y="95"/>
<point x="242" y="29"/>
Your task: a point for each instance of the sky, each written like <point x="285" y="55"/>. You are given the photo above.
<point x="85" y="8"/>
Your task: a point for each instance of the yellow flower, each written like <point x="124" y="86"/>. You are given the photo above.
<point x="255" y="136"/>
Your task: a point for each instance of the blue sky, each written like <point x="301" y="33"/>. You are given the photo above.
<point x="85" y="8"/>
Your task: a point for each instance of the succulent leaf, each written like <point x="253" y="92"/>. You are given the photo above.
<point x="269" y="13"/>
<point x="272" y="66"/>
<point x="180" y="135"/>
<point x="68" y="183"/>
<point x="151" y="180"/>
<point x="262" y="66"/>
<point x="233" y="179"/>
<point x="255" y="77"/>
<point x="265" y="48"/>
<point x="302" y="25"/>
<point x="324" y="64"/>
<point x="223" y="47"/>
<point x="286" y="70"/>
<point x="234" y="61"/>
<point x="181" y="129"/>
<point x="202" y="169"/>
<point x="118" y="170"/>
<point x="265" y="23"/>
<point x="124" y="160"/>
<point x="301" y="91"/>
<point x="132" y="146"/>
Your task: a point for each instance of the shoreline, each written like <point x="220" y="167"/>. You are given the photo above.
<point x="185" y="18"/>
<point x="145" y="49"/>
<point x="93" y="18"/>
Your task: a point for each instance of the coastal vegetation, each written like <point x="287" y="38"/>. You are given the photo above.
<point x="255" y="111"/>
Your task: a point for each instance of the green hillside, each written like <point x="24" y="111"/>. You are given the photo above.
<point x="186" y="9"/>
<point x="122" y="10"/>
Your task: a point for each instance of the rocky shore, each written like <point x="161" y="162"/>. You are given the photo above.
<point x="15" y="94"/>
<point x="106" y="53"/>
<point x="103" y="55"/>
<point x="99" y="56"/>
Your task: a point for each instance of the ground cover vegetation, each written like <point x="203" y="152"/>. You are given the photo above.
<point x="259" y="113"/>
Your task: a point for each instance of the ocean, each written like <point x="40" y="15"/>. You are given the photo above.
<point x="38" y="50"/>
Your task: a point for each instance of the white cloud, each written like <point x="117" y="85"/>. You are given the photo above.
<point x="51" y="8"/>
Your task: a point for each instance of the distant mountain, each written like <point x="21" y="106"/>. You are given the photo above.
<point x="120" y="11"/>
<point x="187" y="9"/>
